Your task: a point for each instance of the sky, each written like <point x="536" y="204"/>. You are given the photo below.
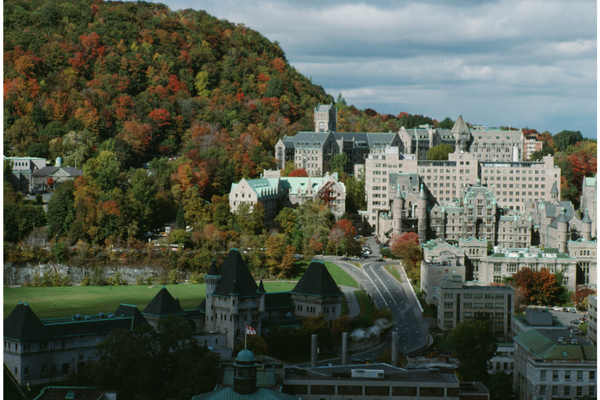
<point x="497" y="63"/>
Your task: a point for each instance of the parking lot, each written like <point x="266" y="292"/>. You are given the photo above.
<point x="565" y="318"/>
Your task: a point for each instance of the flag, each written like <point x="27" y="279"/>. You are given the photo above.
<point x="250" y="330"/>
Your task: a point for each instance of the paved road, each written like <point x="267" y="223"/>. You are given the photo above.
<point x="387" y="292"/>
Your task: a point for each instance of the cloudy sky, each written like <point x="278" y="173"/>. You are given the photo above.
<point x="505" y="62"/>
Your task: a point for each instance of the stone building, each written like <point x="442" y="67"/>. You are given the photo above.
<point x="22" y="172"/>
<point x="536" y="317"/>
<point x="459" y="301"/>
<point x="41" y="351"/>
<point x="275" y="192"/>
<point x="588" y="200"/>
<point x="316" y="293"/>
<point x="441" y="261"/>
<point x="553" y="363"/>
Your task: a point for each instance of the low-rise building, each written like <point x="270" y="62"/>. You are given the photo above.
<point x="553" y="363"/>
<point x="503" y="360"/>
<point x="378" y="381"/>
<point x="536" y="317"/>
<point x="459" y="301"/>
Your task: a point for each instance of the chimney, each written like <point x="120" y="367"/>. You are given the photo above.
<point x="344" y="348"/>
<point x="314" y="340"/>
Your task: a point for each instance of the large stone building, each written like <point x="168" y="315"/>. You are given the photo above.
<point x="275" y="192"/>
<point x="41" y="351"/>
<point x="553" y="363"/>
<point x="22" y="171"/>
<point x="593" y="320"/>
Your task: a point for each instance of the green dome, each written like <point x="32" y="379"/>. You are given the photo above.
<point x="245" y="356"/>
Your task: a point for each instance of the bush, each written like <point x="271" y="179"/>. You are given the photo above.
<point x="173" y="277"/>
<point x="85" y="281"/>
<point x="60" y="252"/>
<point x="39" y="198"/>
<point x="148" y="280"/>
<point x="36" y="281"/>
<point x="98" y="278"/>
<point x="66" y="281"/>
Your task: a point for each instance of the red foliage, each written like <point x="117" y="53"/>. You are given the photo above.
<point x="161" y="116"/>
<point x="538" y="286"/>
<point x="347" y="227"/>
<point x="137" y="135"/>
<point x="301" y="172"/>
<point x="581" y="293"/>
<point x="262" y="78"/>
<point x="279" y="65"/>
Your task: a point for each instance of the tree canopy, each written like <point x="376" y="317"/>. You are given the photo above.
<point x="474" y="346"/>
<point x="440" y="152"/>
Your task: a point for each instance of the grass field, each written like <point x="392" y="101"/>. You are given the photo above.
<point x="339" y="275"/>
<point x="394" y="271"/>
<point x="366" y="309"/>
<point x="90" y="300"/>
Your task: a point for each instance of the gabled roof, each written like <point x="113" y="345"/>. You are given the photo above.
<point x="236" y="277"/>
<point x="127" y="310"/>
<point x="317" y="281"/>
<point x="554" y="190"/>
<point x="96" y="326"/>
<point x="163" y="304"/>
<point x="306" y="139"/>
<point x="47" y="171"/>
<point x="22" y="324"/>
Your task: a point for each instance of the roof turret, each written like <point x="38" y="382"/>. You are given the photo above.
<point x="422" y="193"/>
<point x="460" y="126"/>
<point x="554" y="189"/>
<point x="213" y="270"/>
<point x="261" y="287"/>
<point x="586" y="217"/>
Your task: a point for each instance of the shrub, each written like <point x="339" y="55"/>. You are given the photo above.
<point x="36" y="281"/>
<point x="66" y="281"/>
<point x="98" y="278"/>
<point x="173" y="277"/>
<point x="148" y="280"/>
<point x="85" y="281"/>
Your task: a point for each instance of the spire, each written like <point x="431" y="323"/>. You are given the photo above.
<point x="261" y="287"/>
<point x="586" y="217"/>
<point x="460" y="126"/>
<point x="554" y="190"/>
<point x="213" y="270"/>
<point x="422" y="193"/>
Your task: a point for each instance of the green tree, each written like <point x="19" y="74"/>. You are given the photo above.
<point x="355" y="194"/>
<point x="155" y="364"/>
<point x="440" y="152"/>
<point x="275" y="88"/>
<point x="286" y="221"/>
<point x="180" y="219"/>
<point x="474" y="346"/>
<point x="565" y="138"/>
<point x="337" y="163"/>
<point x="446" y="123"/>
<point x="105" y="170"/>
<point x="500" y="386"/>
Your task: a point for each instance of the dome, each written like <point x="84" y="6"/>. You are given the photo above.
<point x="245" y="356"/>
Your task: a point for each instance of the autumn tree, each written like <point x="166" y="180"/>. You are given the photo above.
<point x="579" y="297"/>
<point x="300" y="172"/>
<point x="539" y="287"/>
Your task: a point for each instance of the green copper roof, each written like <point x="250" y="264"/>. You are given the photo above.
<point x="549" y="349"/>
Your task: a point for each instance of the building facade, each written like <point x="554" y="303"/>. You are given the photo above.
<point x="552" y="363"/>
<point x="593" y="320"/>
<point x="460" y="301"/>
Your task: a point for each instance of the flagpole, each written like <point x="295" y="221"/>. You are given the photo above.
<point x="246" y="340"/>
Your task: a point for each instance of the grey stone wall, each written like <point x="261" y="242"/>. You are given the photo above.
<point x="18" y="275"/>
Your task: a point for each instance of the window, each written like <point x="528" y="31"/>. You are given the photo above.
<point x="579" y="375"/>
<point x="579" y="390"/>
<point x="554" y="390"/>
<point x="555" y="375"/>
<point x="592" y="391"/>
<point x="43" y="369"/>
<point x="542" y="390"/>
<point x="567" y="375"/>
<point x="567" y="390"/>
<point x="543" y="375"/>
<point x="26" y="371"/>
<point x="65" y="369"/>
<point x="448" y="305"/>
<point x="592" y="375"/>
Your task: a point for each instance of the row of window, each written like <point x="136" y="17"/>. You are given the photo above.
<point x="567" y="390"/>
<point x="43" y="369"/>
<point x="567" y="375"/>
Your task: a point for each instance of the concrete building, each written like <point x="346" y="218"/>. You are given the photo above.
<point x="461" y="301"/>
<point x="22" y="172"/>
<point x="441" y="261"/>
<point x="593" y="320"/>
<point x="553" y="363"/>
<point x="378" y="381"/>
<point x="274" y="192"/>
<point x="588" y="200"/>
<point x="503" y="360"/>
<point x="536" y="317"/>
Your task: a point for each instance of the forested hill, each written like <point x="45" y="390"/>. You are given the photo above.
<point x="144" y="81"/>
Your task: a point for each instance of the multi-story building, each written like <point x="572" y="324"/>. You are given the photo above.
<point x="588" y="201"/>
<point x="593" y="319"/>
<point x="440" y="262"/>
<point x="553" y="363"/>
<point x="22" y="171"/>
<point x="379" y="381"/>
<point x="509" y="261"/>
<point x="459" y="301"/>
<point x="503" y="360"/>
<point x="273" y="190"/>
<point x="531" y="145"/>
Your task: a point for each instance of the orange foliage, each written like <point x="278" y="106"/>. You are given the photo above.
<point x="161" y="116"/>
<point x="137" y="135"/>
<point x="279" y="65"/>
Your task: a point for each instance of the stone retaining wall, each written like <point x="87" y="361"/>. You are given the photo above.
<point x="25" y="274"/>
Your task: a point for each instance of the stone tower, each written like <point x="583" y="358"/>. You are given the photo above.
<point x="325" y="118"/>
<point x="422" y="215"/>
<point x="462" y="135"/>
<point x="554" y="193"/>
<point x="562" y="230"/>
<point x="398" y="206"/>
<point x="586" y="226"/>
<point x="212" y="279"/>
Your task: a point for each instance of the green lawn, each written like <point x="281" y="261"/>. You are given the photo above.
<point x="392" y="269"/>
<point x="584" y="328"/>
<point x="339" y="275"/>
<point x="366" y="309"/>
<point x="89" y="300"/>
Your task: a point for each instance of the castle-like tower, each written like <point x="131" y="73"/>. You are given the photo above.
<point x="325" y="118"/>
<point x="462" y="135"/>
<point x="212" y="279"/>
<point x="397" y="208"/>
